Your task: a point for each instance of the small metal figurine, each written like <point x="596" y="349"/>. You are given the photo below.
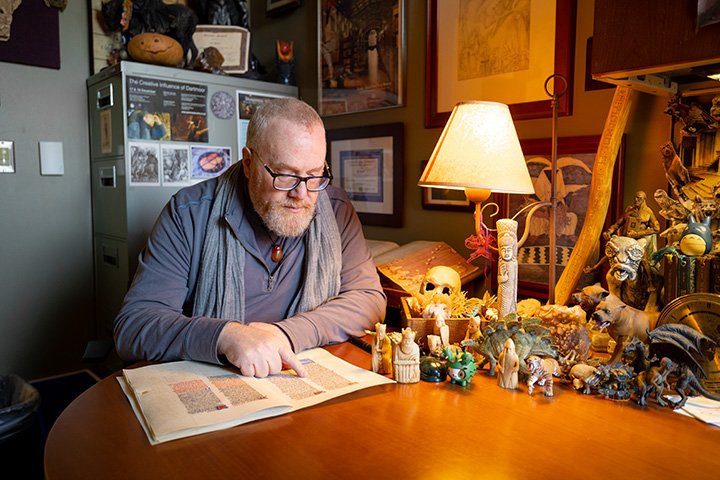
<point x="406" y="358"/>
<point x="508" y="366"/>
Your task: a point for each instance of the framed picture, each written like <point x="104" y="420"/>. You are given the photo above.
<point x="501" y="54"/>
<point x="275" y="7"/>
<point x="444" y="198"/>
<point x="575" y="161"/>
<point x="366" y="162"/>
<point x="361" y="56"/>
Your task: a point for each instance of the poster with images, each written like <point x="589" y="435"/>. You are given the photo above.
<point x="247" y="104"/>
<point x="175" y="165"/>
<point x="208" y="162"/>
<point x="165" y="110"/>
<point x="144" y="164"/>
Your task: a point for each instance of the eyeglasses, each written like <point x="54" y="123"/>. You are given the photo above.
<point x="286" y="182"/>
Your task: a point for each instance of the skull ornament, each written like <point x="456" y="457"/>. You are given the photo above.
<point x="440" y="280"/>
<point x="7" y="7"/>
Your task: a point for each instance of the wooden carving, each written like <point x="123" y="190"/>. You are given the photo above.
<point x="600" y="191"/>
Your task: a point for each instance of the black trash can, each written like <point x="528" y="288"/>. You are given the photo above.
<point x="20" y="445"/>
<point x="18" y="402"/>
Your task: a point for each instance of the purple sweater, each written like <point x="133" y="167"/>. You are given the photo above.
<point x="156" y="323"/>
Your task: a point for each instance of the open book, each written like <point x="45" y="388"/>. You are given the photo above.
<point x="180" y="399"/>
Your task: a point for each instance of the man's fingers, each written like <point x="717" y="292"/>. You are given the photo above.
<point x="289" y="359"/>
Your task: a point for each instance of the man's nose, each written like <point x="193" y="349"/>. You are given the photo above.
<point x="300" y="191"/>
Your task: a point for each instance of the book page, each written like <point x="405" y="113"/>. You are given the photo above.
<point x="179" y="399"/>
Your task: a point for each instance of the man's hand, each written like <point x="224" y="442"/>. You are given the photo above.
<point x="258" y="349"/>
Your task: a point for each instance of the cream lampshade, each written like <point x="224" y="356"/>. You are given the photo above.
<point x="478" y="152"/>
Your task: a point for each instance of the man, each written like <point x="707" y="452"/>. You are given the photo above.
<point x="257" y="264"/>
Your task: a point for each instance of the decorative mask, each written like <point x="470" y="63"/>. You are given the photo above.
<point x="7" y="7"/>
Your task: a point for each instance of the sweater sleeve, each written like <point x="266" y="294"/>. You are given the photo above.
<point x="361" y="301"/>
<point x="151" y="324"/>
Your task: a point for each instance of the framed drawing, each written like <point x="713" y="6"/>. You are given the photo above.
<point x="366" y="162"/>
<point x="361" y="55"/>
<point x="501" y="54"/>
<point x="576" y="158"/>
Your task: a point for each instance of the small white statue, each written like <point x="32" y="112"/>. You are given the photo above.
<point x="381" y="350"/>
<point x="507" y="366"/>
<point x="473" y="328"/>
<point x="507" y="266"/>
<point x="406" y="358"/>
<point x="442" y="330"/>
<point x="435" y="346"/>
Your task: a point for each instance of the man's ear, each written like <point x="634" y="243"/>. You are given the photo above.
<point x="246" y="159"/>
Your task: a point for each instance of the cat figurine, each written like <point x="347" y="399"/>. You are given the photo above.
<point x="696" y="239"/>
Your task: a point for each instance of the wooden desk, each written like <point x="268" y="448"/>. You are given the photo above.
<point x="396" y="431"/>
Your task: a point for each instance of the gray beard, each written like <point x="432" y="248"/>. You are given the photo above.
<point x="274" y="216"/>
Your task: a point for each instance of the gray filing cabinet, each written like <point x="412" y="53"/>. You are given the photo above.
<point x="201" y="114"/>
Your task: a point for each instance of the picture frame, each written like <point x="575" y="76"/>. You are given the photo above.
<point x="494" y="78"/>
<point x="576" y="158"/>
<point x="366" y="162"/>
<point x="444" y="198"/>
<point x="361" y="59"/>
<point x="276" y="7"/>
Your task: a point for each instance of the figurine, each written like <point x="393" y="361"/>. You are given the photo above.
<point x="677" y="175"/>
<point x="541" y="372"/>
<point x="175" y="20"/>
<point x="638" y="221"/>
<point x="693" y="117"/>
<point x="223" y="12"/>
<point x="508" y="366"/>
<point x="381" y="350"/>
<point x="285" y="59"/>
<point x="432" y="369"/>
<point x="460" y="366"/>
<point x="630" y="276"/>
<point x="529" y="336"/>
<point x="507" y="266"/>
<point x="684" y="345"/>
<point x="406" y="358"/>
<point x="583" y="377"/>
<point x="655" y="380"/>
<point x="210" y="60"/>
<point x="442" y="330"/>
<point x="435" y="345"/>
<point x="696" y="239"/>
<point x="473" y="328"/>
<point x="623" y="322"/>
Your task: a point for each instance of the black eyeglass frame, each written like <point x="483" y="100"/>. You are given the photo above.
<point x="299" y="179"/>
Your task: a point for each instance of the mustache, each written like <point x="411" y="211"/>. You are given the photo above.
<point x="297" y="204"/>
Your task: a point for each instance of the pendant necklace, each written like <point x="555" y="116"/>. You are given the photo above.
<point x="277" y="251"/>
<point x="276" y="254"/>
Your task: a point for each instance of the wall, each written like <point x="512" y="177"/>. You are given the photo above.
<point x="46" y="275"/>
<point x="647" y="129"/>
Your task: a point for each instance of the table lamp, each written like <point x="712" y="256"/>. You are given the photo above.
<point x="478" y="152"/>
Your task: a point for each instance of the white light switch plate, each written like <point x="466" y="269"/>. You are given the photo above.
<point x="51" y="158"/>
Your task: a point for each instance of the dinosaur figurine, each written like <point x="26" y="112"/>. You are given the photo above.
<point x="654" y="379"/>
<point x="529" y="336"/>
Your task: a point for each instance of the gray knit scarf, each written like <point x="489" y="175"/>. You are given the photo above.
<point x="220" y="291"/>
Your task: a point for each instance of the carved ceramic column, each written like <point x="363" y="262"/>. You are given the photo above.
<point x="507" y="266"/>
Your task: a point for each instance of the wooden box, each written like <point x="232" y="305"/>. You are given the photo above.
<point x="424" y="326"/>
